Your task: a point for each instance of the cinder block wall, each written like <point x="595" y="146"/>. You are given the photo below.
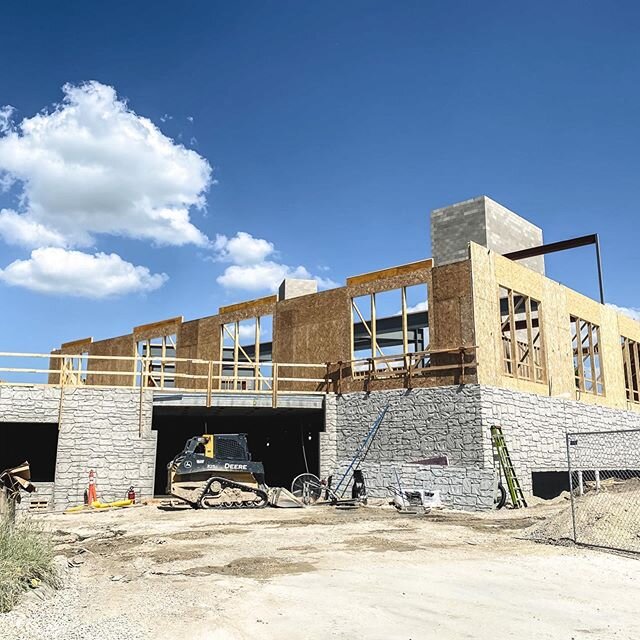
<point x="485" y="222"/>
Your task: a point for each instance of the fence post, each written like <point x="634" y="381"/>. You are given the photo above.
<point x="580" y="484"/>
<point x="597" y="478"/>
<point x="573" y="505"/>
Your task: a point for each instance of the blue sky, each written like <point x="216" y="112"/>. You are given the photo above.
<point x="327" y="131"/>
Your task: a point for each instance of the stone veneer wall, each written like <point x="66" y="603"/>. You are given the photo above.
<point x="99" y="429"/>
<point x="456" y="421"/>
<point x="535" y="428"/>
<point x="419" y="423"/>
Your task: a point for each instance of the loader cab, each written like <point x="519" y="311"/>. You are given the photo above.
<point x="228" y="446"/>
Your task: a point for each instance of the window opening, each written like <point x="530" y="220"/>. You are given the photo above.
<point x="631" y="360"/>
<point x="247" y="346"/>
<point x="587" y="362"/>
<point x="157" y="365"/>
<point x="520" y="328"/>
<point x="387" y="324"/>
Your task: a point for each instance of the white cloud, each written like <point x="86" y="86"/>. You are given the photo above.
<point x="93" y="166"/>
<point x="242" y="249"/>
<point x="58" y="271"/>
<point x="632" y="312"/>
<point x="256" y="277"/>
<point x="420" y="306"/>
<point x="250" y="270"/>
<point x="21" y="230"/>
<point x="6" y="114"/>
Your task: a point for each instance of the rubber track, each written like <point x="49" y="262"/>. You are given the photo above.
<point x="237" y="485"/>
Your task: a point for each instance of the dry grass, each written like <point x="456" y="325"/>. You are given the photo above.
<point x="26" y="561"/>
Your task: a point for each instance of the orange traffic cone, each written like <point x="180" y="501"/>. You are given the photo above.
<point x="91" y="493"/>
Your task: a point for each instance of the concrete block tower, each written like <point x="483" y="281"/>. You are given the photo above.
<point x="486" y="222"/>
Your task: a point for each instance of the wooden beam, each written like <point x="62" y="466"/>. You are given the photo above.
<point x="391" y="272"/>
<point x="76" y="344"/>
<point x="248" y="304"/>
<point x="161" y="326"/>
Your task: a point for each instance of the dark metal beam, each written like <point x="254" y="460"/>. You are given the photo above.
<point x="563" y="245"/>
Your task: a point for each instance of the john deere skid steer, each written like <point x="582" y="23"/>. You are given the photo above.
<point x="216" y="471"/>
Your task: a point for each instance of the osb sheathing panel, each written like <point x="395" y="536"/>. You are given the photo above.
<point x="187" y="347"/>
<point x="249" y="305"/>
<point x="121" y="346"/>
<point x="629" y="328"/>
<point x="76" y="347"/>
<point x="416" y="276"/>
<point x="157" y="329"/>
<point x="54" y="363"/>
<point x="313" y="328"/>
<point x="451" y="307"/>
<point x="393" y="272"/>
<point x="262" y="307"/>
<point x="558" y="303"/>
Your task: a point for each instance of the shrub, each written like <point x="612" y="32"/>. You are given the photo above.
<point x="26" y="560"/>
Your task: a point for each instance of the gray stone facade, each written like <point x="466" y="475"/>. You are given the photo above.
<point x="485" y="222"/>
<point x="99" y="429"/>
<point x="535" y="428"/>
<point x="456" y="421"/>
<point x="418" y="424"/>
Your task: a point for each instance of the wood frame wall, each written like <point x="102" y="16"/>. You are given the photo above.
<point x="558" y="304"/>
<point x="314" y="328"/>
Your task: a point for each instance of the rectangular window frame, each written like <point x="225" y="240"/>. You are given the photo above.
<point x="631" y="361"/>
<point x="261" y="375"/>
<point x="156" y="366"/>
<point x="522" y="360"/>
<point x="390" y="362"/>
<point x="588" y="370"/>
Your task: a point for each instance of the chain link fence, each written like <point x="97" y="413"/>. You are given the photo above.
<point x="604" y="478"/>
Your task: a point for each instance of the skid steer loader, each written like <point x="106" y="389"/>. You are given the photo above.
<point x="216" y="472"/>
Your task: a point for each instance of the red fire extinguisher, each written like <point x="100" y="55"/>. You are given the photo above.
<point x="131" y="494"/>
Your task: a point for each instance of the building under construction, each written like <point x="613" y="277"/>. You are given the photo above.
<point x="472" y="337"/>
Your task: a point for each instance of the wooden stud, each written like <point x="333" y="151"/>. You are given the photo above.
<point x="209" y="382"/>
<point x="635" y="373"/>
<point x="579" y="355"/>
<point x="405" y="336"/>
<point x="256" y="351"/>
<point x="600" y="373"/>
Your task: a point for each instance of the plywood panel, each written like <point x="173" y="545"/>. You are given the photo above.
<point x="558" y="303"/>
<point x="120" y="346"/>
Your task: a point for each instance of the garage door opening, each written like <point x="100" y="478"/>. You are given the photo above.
<point x="286" y="441"/>
<point x="35" y="442"/>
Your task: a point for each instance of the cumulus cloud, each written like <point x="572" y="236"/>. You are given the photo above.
<point x="93" y="166"/>
<point x="251" y="270"/>
<point x="242" y="249"/>
<point x="6" y="113"/>
<point x="55" y="270"/>
<point x="23" y="231"/>
<point x="632" y="312"/>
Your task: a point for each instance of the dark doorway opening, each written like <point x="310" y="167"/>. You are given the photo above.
<point x="286" y="441"/>
<point x="35" y="442"/>
<point x="549" y="484"/>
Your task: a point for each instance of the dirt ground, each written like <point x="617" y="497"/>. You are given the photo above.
<point x="323" y="573"/>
